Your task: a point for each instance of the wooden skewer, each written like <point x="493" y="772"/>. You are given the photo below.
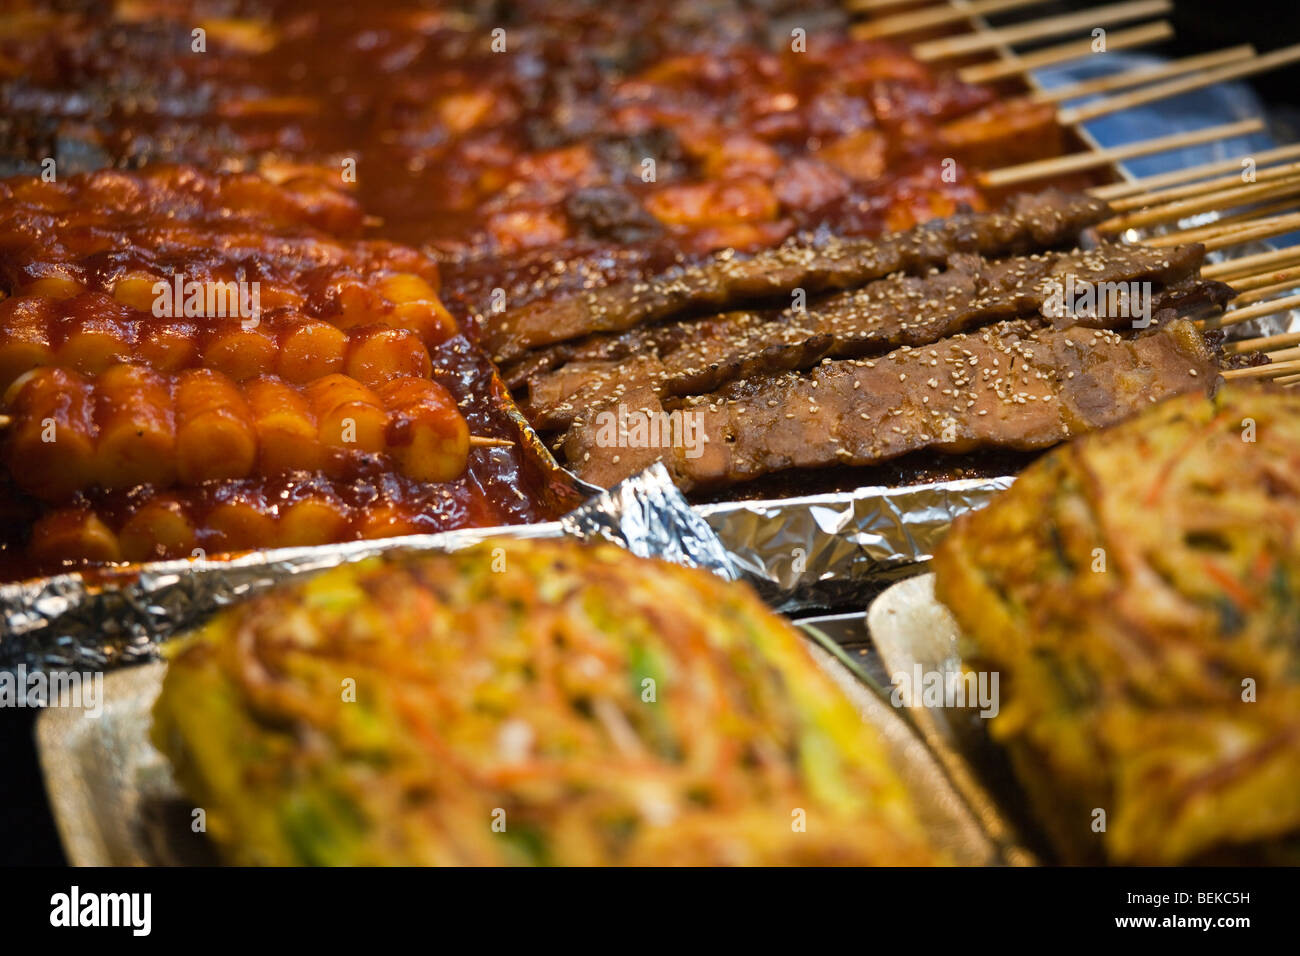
<point x="1284" y="355"/>
<point x="1143" y="75"/>
<point x="1218" y="237"/>
<point x="1250" y="265"/>
<point x="1264" y="292"/>
<point x="1233" y="71"/>
<point x="866" y="6"/>
<point x="1199" y="189"/>
<point x="1263" y="371"/>
<point x="1290" y="204"/>
<point x="1266" y="229"/>
<point x="1056" y="26"/>
<point x="1265" y="343"/>
<point x="1182" y="208"/>
<point x="1266" y="280"/>
<point x="1258" y="311"/>
<point x="1077" y="162"/>
<point x="1142" y="35"/>
<point x="1116" y="191"/>
<point x="929" y="17"/>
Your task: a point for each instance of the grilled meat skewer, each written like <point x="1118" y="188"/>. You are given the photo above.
<point x="1010" y="385"/>
<point x="703" y="355"/>
<point x="1028" y="223"/>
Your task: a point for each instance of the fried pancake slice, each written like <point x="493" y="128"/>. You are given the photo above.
<point x="525" y="703"/>
<point x="1138" y="591"/>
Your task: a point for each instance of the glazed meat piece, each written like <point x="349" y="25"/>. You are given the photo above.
<point x="1030" y="222"/>
<point x="703" y="355"/>
<point x="1010" y="385"/>
<point x="132" y="426"/>
<point x="1137" y="590"/>
<point x="291" y="509"/>
<point x="236" y="247"/>
<point x="490" y="144"/>
<point x="91" y="331"/>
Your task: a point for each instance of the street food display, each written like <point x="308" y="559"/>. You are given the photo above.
<point x="281" y="281"/>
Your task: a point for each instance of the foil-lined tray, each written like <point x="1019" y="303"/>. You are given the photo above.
<point x="839" y="550"/>
<point x="822" y="551"/>
<point x="116" y="802"/>
<point x="120" y="616"/>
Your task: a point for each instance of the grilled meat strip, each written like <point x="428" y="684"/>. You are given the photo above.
<point x="705" y="354"/>
<point x="1010" y="385"/>
<point x="1032" y="221"/>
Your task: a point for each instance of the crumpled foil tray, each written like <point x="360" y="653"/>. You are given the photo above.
<point x="80" y="622"/>
<point x="823" y="551"/>
<point x="839" y="550"/>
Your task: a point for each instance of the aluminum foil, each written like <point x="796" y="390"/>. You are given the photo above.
<point x="839" y="550"/>
<point x="648" y="516"/>
<point x="104" y="620"/>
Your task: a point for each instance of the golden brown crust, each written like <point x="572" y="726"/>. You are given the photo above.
<point x="599" y="708"/>
<point x="1138" y="591"/>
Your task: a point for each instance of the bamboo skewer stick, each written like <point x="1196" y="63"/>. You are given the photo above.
<point x="1143" y="75"/>
<point x="1233" y="71"/>
<point x="1039" y="29"/>
<point x="1252" y="284"/>
<point x="1059" y="165"/>
<point x="1183" y="208"/>
<point x="1267" y="229"/>
<point x="1264" y="343"/>
<point x="1116" y="191"/>
<point x="1258" y="311"/>
<point x="929" y="17"/>
<point x="1250" y="265"/>
<point x="1147" y="33"/>
<point x="1290" y="204"/>
<point x="866" y="6"/>
<point x="1218" y="237"/>
<point x="1264" y="292"/>
<point x="475" y="441"/>
<point x="1198" y="189"/>
<point x="1263" y="371"/>
<point x="1284" y="355"/>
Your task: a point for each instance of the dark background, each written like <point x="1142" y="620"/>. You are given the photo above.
<point x="27" y="833"/>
